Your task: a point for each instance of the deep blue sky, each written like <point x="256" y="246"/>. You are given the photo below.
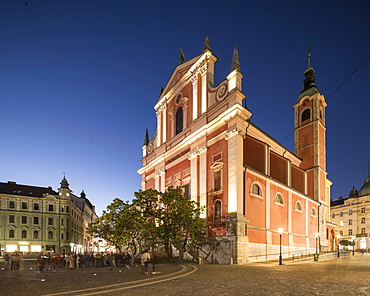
<point x="80" y="101"/>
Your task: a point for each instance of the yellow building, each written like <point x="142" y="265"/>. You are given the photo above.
<point x="351" y="215"/>
<point x="38" y="219"/>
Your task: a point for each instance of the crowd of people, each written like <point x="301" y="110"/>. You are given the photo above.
<point x="71" y="261"/>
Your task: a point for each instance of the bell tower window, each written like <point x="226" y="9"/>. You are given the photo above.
<point x="306" y="114"/>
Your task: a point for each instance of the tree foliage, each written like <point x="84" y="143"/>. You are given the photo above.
<point x="153" y="218"/>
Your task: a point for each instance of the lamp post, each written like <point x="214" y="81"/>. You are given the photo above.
<point x="338" y="237"/>
<point x="353" y="246"/>
<point x="280" y="230"/>
<point x="317" y="253"/>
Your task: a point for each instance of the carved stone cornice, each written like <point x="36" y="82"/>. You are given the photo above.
<point x="201" y="68"/>
<point x="235" y="132"/>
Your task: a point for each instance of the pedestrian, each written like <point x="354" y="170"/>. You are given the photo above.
<point x="6" y="261"/>
<point x="41" y="264"/>
<point x="54" y="262"/>
<point x="128" y="260"/>
<point x="145" y="258"/>
<point x="67" y="259"/>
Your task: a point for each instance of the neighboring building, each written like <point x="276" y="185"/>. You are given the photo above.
<point x="251" y="184"/>
<point x="39" y="219"/>
<point x="352" y="216"/>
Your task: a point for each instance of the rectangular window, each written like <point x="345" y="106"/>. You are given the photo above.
<point x="350" y="212"/>
<point x="62" y="222"/>
<point x="341" y="214"/>
<point x="333" y="215"/>
<point x="35" y="220"/>
<point x="186" y="172"/>
<point x="349" y="231"/>
<point x="11" y="219"/>
<point x="217" y="180"/>
<point x="11" y="204"/>
<point x="50" y="221"/>
<point x="51" y="208"/>
<point x="35" y="206"/>
<point x="24" y="206"/>
<point x="168" y="181"/>
<point x="363" y="230"/>
<point x="363" y="210"/>
<point x="341" y="233"/>
<point x="363" y="220"/>
<point x="350" y="222"/>
<point x="24" y="219"/>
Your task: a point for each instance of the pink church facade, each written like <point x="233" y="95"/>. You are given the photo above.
<point x="250" y="184"/>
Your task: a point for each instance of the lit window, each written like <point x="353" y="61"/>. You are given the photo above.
<point x="279" y="199"/>
<point x="340" y="223"/>
<point x="349" y="231"/>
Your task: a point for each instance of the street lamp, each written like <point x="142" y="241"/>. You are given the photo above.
<point x="317" y="254"/>
<point x="338" y="236"/>
<point x="353" y="246"/>
<point x="280" y="230"/>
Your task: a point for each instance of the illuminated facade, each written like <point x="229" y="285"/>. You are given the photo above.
<point x="38" y="219"/>
<point x="352" y="216"/>
<point x="251" y="184"/>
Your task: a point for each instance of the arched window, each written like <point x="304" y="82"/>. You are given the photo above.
<point x="306" y="114"/>
<point x="279" y="199"/>
<point x="24" y="233"/>
<point x="298" y="206"/>
<point x="50" y="235"/>
<point x="256" y="189"/>
<point x="11" y="233"/>
<point x="35" y="234"/>
<point x="313" y="212"/>
<point x="179" y="121"/>
<point x="218" y="212"/>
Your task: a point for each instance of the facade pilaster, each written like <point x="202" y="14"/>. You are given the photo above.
<point x="193" y="157"/>
<point x="203" y="177"/>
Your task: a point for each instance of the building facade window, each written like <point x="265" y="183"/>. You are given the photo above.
<point x="50" y="235"/>
<point x="24" y="233"/>
<point x="35" y="220"/>
<point x="24" y="219"/>
<point x="298" y="206"/>
<point x="341" y="233"/>
<point x="24" y="206"/>
<point x="279" y="199"/>
<point x="363" y="230"/>
<point x="313" y="212"/>
<point x="363" y="210"/>
<point x="218" y="211"/>
<point x="11" y="233"/>
<point x="179" y="120"/>
<point x="350" y="222"/>
<point x="350" y="212"/>
<point x="363" y="220"/>
<point x="256" y="190"/>
<point x="35" y="234"/>
<point x="349" y="231"/>
<point x="51" y="208"/>
<point x="35" y="206"/>
<point x="341" y="214"/>
<point x="11" y="219"/>
<point x="11" y="204"/>
<point x="333" y="215"/>
<point x="217" y="180"/>
<point x="50" y="221"/>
